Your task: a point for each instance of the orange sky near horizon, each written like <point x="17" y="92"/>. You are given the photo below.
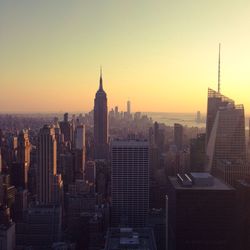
<point x="162" y="55"/>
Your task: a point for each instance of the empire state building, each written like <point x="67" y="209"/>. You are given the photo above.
<point x="101" y="123"/>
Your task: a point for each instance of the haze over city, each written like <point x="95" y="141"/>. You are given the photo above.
<point x="162" y="55"/>
<point x="124" y="124"/>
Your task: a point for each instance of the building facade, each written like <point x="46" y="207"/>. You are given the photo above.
<point x="129" y="182"/>
<point x="49" y="183"/>
<point x="201" y="213"/>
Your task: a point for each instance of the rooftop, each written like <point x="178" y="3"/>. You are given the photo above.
<point x="129" y="142"/>
<point x="215" y="94"/>
<point x="200" y="181"/>
<point x="130" y="239"/>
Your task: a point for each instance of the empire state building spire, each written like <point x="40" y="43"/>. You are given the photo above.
<point x="100" y="122"/>
<point x="100" y="84"/>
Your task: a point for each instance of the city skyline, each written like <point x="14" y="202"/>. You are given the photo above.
<point x="52" y="52"/>
<point x="124" y="125"/>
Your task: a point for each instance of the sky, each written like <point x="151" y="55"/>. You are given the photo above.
<point x="161" y="55"/>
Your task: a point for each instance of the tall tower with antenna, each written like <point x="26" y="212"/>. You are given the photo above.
<point x="100" y="122"/>
<point x="219" y="71"/>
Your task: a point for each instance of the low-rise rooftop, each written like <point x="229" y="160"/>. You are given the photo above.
<point x="198" y="181"/>
<point x="130" y="239"/>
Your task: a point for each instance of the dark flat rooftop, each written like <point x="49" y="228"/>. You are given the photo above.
<point x="217" y="185"/>
<point x="130" y="239"/>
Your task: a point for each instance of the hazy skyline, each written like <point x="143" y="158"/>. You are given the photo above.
<point x="162" y="55"/>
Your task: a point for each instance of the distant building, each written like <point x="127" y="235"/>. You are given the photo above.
<point x="101" y="123"/>
<point x="137" y="116"/>
<point x="128" y="108"/>
<point x="79" y="163"/>
<point x="67" y="161"/>
<point x="129" y="182"/>
<point x="90" y="172"/>
<point x="66" y="129"/>
<point x="80" y="137"/>
<point x="198" y="117"/>
<point x="178" y="135"/>
<point x="102" y="178"/>
<point x="198" y="153"/>
<point x="156" y="134"/>
<point x="130" y="239"/>
<point x="201" y="213"/>
<point x="116" y="112"/>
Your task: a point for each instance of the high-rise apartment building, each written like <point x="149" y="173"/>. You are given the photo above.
<point x="49" y="183"/>
<point x="129" y="182"/>
<point x="101" y="123"/>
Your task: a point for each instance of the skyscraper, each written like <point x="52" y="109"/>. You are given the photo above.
<point x="23" y="159"/>
<point x="214" y="102"/>
<point x="100" y="123"/>
<point x="66" y="128"/>
<point x="80" y="137"/>
<point x="79" y="151"/>
<point x="49" y="183"/>
<point x="23" y="147"/>
<point x="226" y="148"/>
<point x="129" y="182"/>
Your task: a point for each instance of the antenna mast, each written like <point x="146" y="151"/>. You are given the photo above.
<point x="219" y="71"/>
